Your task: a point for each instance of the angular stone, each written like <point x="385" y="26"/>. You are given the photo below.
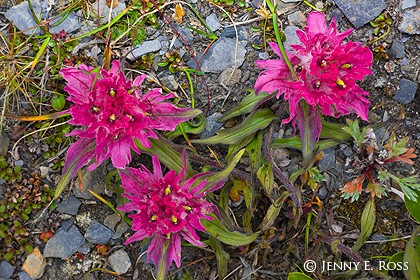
<point x="411" y="21"/>
<point x="221" y="55"/>
<point x="69" y="206"/>
<point x="229" y="32"/>
<point x="145" y="48"/>
<point x="69" y="25"/>
<point x="213" y="22"/>
<point x="92" y="180"/>
<point x="119" y="261"/>
<point x="64" y="243"/>
<point x="406" y="92"/>
<point x="297" y="18"/>
<point x="291" y="37"/>
<point x="113" y="222"/>
<point x="186" y="35"/>
<point x="360" y="12"/>
<point x="230" y="76"/>
<point x="6" y="270"/>
<point x="103" y="10"/>
<point x="35" y="264"/>
<point x="397" y="49"/>
<point x="24" y="276"/>
<point x="97" y="233"/>
<point x="328" y="160"/>
<point x="211" y="125"/>
<point x="22" y="18"/>
<point x="408" y="4"/>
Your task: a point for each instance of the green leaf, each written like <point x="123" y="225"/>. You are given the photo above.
<point x="266" y="177"/>
<point x="367" y="222"/>
<point x="247" y="105"/>
<point x="58" y="102"/>
<point x="298" y="276"/>
<point x="412" y="256"/>
<point x="334" y="130"/>
<point x="222" y="257"/>
<point x="195" y="126"/>
<point x="233" y="238"/>
<point x="257" y="120"/>
<point x="166" y="153"/>
<point x="414" y="206"/>
<point x="217" y="177"/>
<point x="397" y="258"/>
<point x="273" y="212"/>
<point x="234" y="148"/>
<point x="353" y="129"/>
<point x="254" y="151"/>
<point x="294" y="142"/>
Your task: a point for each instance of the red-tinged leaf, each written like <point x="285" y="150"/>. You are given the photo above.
<point x="354" y="186"/>
<point x="406" y="157"/>
<point x="78" y="156"/>
<point x="309" y="123"/>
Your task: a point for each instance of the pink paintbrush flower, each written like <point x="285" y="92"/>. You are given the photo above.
<point x="165" y="208"/>
<point x="114" y="112"/>
<point x="326" y="69"/>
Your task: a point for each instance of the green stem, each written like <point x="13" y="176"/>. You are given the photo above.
<point x="307" y="145"/>
<point x="279" y="42"/>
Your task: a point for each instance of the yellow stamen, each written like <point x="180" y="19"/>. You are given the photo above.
<point x="340" y="83"/>
<point x="130" y="117"/>
<point x="112" y="92"/>
<point x="168" y="190"/>
<point x="112" y="117"/>
<point x="116" y="136"/>
<point x="168" y="235"/>
<point x="146" y="114"/>
<point x="323" y="63"/>
<point x="153" y="218"/>
<point x="187" y="208"/>
<point x="174" y="219"/>
<point x="96" y="109"/>
<point x="346" y="66"/>
<point x="130" y="91"/>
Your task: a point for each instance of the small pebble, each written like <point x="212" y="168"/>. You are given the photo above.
<point x="6" y="270"/>
<point x="119" y="261"/>
<point x="97" y="233"/>
<point x="406" y="92"/>
<point x="35" y="264"/>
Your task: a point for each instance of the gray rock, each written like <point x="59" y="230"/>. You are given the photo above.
<point x="69" y="206"/>
<point x="84" y="249"/>
<point x="213" y="22"/>
<point x="291" y="37"/>
<point x="411" y="21"/>
<point x="70" y="24"/>
<point x="24" y="276"/>
<point x="97" y="233"/>
<point x="211" y="125"/>
<point x="103" y="10"/>
<point x="4" y="143"/>
<point x="406" y="92"/>
<point x="22" y="18"/>
<point x="19" y="162"/>
<point x="113" y="222"/>
<point x="347" y="151"/>
<point x="6" y="270"/>
<point x="297" y="18"/>
<point x="119" y="261"/>
<point x="64" y="243"/>
<point x="408" y="4"/>
<point x="397" y="49"/>
<point x="168" y="80"/>
<point x="186" y="35"/>
<point x="328" y="160"/>
<point x="322" y="193"/>
<point x="145" y="48"/>
<point x="337" y="14"/>
<point x="229" y="32"/>
<point x="360" y="12"/>
<point x="92" y="180"/>
<point x="230" y="76"/>
<point x="221" y="55"/>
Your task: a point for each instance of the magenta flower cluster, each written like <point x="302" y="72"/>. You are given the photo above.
<point x="326" y="70"/>
<point x="114" y="112"/>
<point x="166" y="208"/>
